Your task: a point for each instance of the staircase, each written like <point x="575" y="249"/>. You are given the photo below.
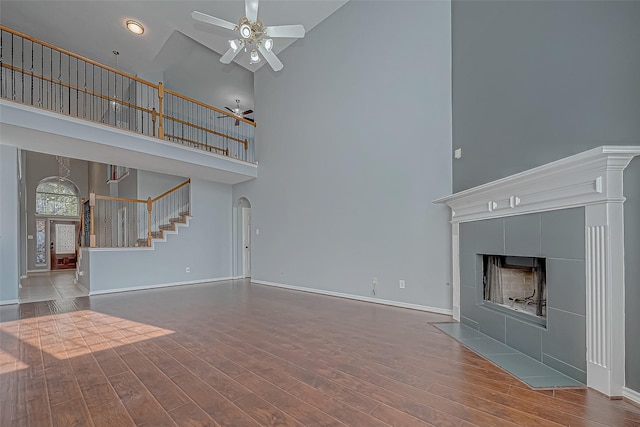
<point x="168" y="228"/>
<point x="116" y="222"/>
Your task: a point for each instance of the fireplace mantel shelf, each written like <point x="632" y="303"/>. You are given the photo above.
<point x="579" y="180"/>
<point x="593" y="180"/>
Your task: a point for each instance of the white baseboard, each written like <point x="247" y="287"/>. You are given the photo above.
<point x="42" y="270"/>
<point x="358" y="297"/>
<point x="631" y="395"/>
<point x="78" y="284"/>
<point x="9" y="302"/>
<point x="162" y="285"/>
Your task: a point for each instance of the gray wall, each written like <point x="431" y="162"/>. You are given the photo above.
<point x="128" y="186"/>
<point x="9" y="238"/>
<point x="353" y="141"/>
<point x="219" y="86"/>
<point x="98" y="178"/>
<point x="38" y="167"/>
<point x="558" y="237"/>
<point x="537" y="81"/>
<point x="152" y="184"/>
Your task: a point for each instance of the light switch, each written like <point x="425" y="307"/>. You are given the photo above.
<point x="257" y="231"/>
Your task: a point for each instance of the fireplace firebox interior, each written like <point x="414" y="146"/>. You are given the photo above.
<point x="516" y="283"/>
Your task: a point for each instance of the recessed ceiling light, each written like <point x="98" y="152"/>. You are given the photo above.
<point x="135" y="27"/>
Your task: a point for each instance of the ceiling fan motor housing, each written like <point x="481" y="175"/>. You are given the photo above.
<point x="251" y="31"/>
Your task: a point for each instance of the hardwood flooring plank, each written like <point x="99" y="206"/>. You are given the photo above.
<point x="190" y="415"/>
<point x="112" y="414"/>
<point x="70" y="414"/>
<point x="339" y="410"/>
<point x="140" y="404"/>
<point x="212" y="402"/>
<point x="297" y="408"/>
<point x="160" y="386"/>
<point x="265" y="413"/>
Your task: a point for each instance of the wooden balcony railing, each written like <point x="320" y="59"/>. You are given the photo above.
<point x="39" y="74"/>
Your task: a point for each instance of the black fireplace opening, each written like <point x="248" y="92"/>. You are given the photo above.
<point x="516" y="285"/>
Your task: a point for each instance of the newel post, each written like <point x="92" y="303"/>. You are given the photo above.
<point x="92" y="234"/>
<point x="160" y="109"/>
<point x="149" y="207"/>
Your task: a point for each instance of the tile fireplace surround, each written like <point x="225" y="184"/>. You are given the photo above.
<point x="593" y="180"/>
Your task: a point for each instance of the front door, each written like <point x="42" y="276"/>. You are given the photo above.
<point x="63" y="237"/>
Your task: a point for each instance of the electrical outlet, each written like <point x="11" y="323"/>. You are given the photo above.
<point x="401" y="284"/>
<point x="458" y="153"/>
<point x="187" y="270"/>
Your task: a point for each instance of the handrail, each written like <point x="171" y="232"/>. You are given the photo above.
<point x="171" y="190"/>
<point x="211" y="107"/>
<point x="200" y="144"/>
<point x="167" y="115"/>
<point x="242" y="141"/>
<point x="75" y="55"/>
<point x="120" y="199"/>
<point x="156" y="210"/>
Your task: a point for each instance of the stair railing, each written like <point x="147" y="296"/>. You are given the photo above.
<point x="40" y="74"/>
<point x="119" y="222"/>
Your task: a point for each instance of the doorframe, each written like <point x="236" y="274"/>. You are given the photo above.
<point x="246" y="242"/>
<point x="237" y="231"/>
<point x="50" y="222"/>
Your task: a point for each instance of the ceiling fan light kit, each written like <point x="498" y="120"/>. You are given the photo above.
<point x="255" y="37"/>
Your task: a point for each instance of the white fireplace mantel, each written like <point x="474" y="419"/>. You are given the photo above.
<point x="593" y="180"/>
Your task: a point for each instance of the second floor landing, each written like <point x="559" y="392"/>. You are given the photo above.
<point x="39" y="130"/>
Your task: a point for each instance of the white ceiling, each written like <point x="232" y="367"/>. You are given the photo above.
<point x="94" y="28"/>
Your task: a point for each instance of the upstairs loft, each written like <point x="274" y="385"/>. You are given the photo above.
<point x="57" y="102"/>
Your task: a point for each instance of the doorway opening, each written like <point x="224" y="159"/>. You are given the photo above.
<point x="242" y="231"/>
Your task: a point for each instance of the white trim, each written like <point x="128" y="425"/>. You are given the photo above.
<point x="162" y="285"/>
<point x="357" y="297"/>
<point x="632" y="395"/>
<point x="80" y="285"/>
<point x="9" y="302"/>
<point x="594" y="176"/>
<point x="593" y="180"/>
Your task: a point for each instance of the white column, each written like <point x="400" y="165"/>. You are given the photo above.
<point x="605" y="297"/>
<point x="455" y="257"/>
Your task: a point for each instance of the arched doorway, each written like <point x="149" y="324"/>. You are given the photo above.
<point x="242" y="240"/>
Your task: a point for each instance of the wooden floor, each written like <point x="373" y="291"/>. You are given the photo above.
<point x="235" y="354"/>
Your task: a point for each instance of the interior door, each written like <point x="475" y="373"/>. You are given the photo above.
<point x="246" y="242"/>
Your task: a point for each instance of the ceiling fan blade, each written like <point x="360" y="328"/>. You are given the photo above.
<point x="221" y="117"/>
<point x="271" y="58"/>
<point x="293" y="31"/>
<point x="247" y="112"/>
<point x="250" y="119"/>
<point x="228" y="57"/>
<point x="208" y="19"/>
<point x="230" y="110"/>
<point x="237" y="122"/>
<point x="251" y="10"/>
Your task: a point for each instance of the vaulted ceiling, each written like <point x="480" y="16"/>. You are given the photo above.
<point x="95" y="28"/>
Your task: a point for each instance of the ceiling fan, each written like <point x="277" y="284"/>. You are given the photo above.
<point x="238" y="113"/>
<point x="254" y="36"/>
